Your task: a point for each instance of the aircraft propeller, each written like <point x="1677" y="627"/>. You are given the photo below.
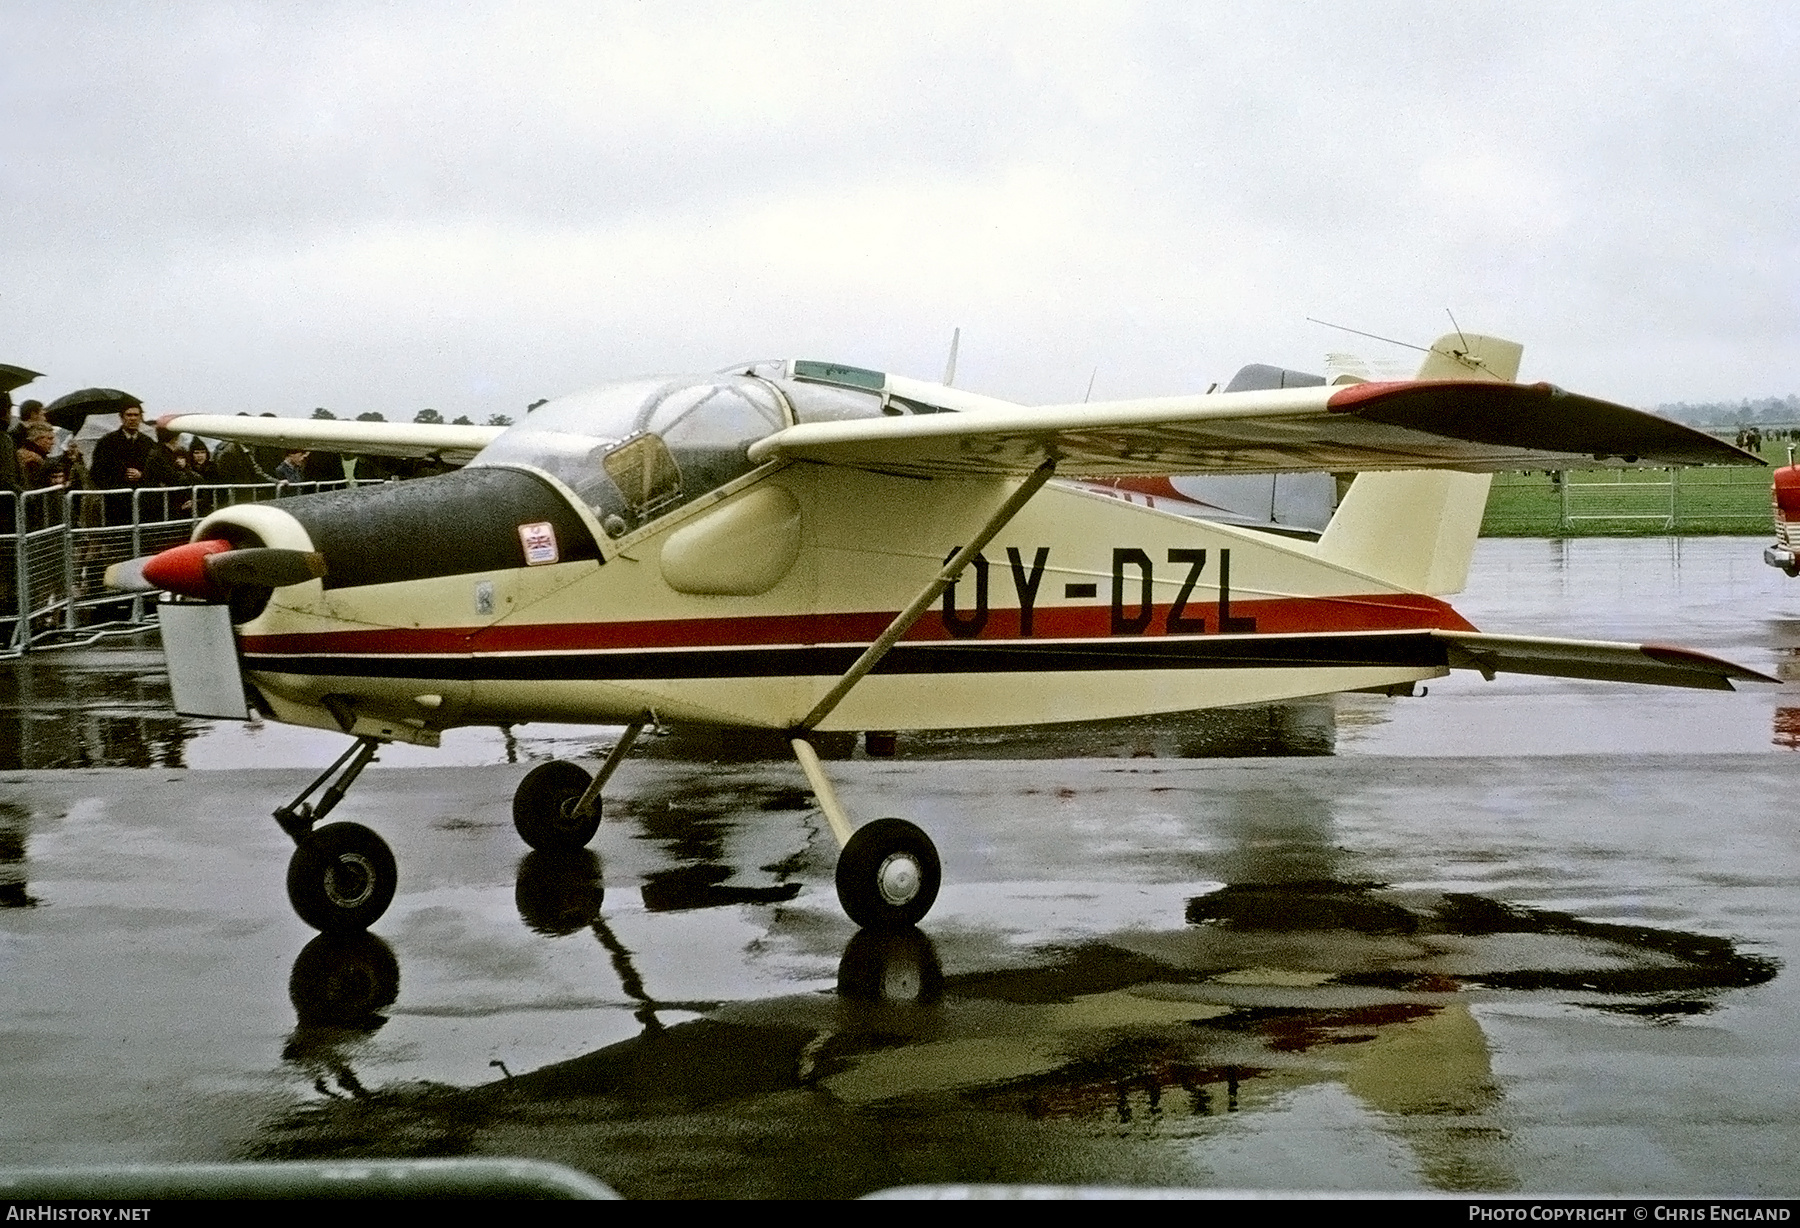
<point x="209" y="570"/>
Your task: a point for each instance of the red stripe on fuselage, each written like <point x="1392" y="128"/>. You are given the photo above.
<point x="1276" y="616"/>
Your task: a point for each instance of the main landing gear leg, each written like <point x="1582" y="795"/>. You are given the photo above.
<point x="888" y="872"/>
<point x="342" y="876"/>
<point x="556" y="808"/>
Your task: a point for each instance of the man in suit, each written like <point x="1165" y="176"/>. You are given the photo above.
<point x="119" y="460"/>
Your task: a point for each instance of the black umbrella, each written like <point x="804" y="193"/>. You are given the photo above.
<point x="15" y="377"/>
<point x="71" y="409"/>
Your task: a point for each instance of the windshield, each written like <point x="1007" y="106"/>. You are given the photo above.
<point x="635" y="451"/>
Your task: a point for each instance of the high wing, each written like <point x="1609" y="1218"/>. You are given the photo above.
<point x="454" y="445"/>
<point x="1467" y="425"/>
<point x="1600" y="660"/>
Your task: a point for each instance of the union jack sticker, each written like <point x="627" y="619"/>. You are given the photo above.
<point x="539" y="541"/>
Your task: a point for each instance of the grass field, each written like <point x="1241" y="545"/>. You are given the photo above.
<point x="1620" y="502"/>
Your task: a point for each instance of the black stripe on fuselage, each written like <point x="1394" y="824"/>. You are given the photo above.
<point x="1408" y="648"/>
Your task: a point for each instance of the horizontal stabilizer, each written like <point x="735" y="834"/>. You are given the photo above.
<point x="1600" y="660"/>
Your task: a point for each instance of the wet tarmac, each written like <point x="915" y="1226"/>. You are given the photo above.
<point x="1513" y="936"/>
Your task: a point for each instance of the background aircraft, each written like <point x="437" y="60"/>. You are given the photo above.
<point x="1784" y="492"/>
<point x="811" y="547"/>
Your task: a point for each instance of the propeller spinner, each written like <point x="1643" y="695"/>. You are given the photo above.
<point x="208" y="570"/>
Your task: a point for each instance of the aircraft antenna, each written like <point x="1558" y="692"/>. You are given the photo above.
<point x="1463" y="355"/>
<point x="1423" y="349"/>
<point x="1089" y="395"/>
<point x="1459" y="331"/>
<point x="950" y="367"/>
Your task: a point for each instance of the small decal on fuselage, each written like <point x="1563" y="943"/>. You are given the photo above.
<point x="539" y="540"/>
<point x="484" y="597"/>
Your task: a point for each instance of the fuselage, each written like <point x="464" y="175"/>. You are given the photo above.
<point x="593" y="580"/>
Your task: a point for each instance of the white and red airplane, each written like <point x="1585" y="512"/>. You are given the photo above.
<point x="809" y="547"/>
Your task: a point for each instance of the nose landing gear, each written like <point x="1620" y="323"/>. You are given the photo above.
<point x="342" y="876"/>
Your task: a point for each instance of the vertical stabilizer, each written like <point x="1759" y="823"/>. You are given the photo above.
<point x="1413" y="529"/>
<point x="1471" y="356"/>
<point x="1417" y="530"/>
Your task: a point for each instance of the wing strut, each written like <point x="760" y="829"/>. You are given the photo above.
<point x="904" y="620"/>
<point x="835" y="815"/>
<point x="833" y="809"/>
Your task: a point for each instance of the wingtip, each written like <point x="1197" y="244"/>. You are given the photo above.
<point x="1688" y="658"/>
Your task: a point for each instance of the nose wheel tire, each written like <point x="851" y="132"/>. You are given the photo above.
<point x="888" y="875"/>
<point x="341" y="878"/>
<point x="544" y="808"/>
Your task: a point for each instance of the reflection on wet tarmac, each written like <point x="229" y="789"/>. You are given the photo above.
<point x="344" y="981"/>
<point x="1271" y="988"/>
<point x="686" y="887"/>
<point x="339" y="986"/>
<point x="80" y="709"/>
<point x="15" y="823"/>
<point x="560" y="893"/>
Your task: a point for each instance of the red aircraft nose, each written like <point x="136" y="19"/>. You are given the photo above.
<point x="182" y="570"/>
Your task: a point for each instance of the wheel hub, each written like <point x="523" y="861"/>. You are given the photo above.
<point x="351" y="881"/>
<point x="899" y="878"/>
<point x="566" y="819"/>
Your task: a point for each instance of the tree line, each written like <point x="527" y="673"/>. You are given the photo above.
<point x="1769" y="410"/>
<point x="429" y="416"/>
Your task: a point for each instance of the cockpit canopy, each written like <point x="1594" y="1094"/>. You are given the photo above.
<point x="637" y="451"/>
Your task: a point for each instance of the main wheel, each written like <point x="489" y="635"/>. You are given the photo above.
<point x="341" y="878"/>
<point x="544" y="804"/>
<point x="888" y="875"/>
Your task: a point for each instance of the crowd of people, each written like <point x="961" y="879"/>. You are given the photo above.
<point x="140" y="457"/>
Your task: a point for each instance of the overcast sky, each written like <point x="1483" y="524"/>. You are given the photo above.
<point x="392" y="206"/>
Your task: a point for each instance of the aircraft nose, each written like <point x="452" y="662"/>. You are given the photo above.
<point x="207" y="570"/>
<point x="182" y="570"/>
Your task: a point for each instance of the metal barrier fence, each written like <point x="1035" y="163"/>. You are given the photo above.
<point x="1616" y="502"/>
<point x="56" y="544"/>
